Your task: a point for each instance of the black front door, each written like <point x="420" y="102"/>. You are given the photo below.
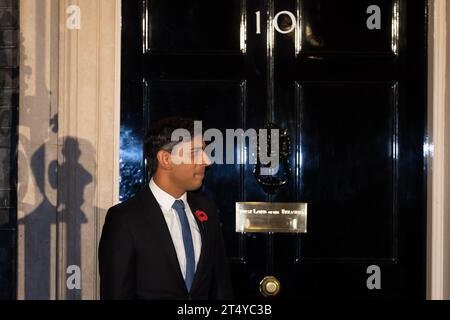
<point x="347" y="80"/>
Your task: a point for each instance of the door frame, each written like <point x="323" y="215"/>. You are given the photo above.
<point x="438" y="153"/>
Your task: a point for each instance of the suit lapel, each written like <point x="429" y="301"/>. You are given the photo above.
<point x="155" y="216"/>
<point x="202" y="226"/>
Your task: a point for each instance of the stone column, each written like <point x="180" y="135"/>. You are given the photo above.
<point x="69" y="143"/>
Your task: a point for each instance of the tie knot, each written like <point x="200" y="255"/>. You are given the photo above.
<point x="178" y="204"/>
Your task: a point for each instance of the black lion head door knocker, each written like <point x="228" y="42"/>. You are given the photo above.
<point x="269" y="176"/>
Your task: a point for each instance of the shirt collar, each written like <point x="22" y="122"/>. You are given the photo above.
<point x="164" y="199"/>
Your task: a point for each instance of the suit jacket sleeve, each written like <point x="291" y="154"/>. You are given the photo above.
<point x="221" y="288"/>
<point x="116" y="259"/>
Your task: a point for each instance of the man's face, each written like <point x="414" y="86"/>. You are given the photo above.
<point x="189" y="174"/>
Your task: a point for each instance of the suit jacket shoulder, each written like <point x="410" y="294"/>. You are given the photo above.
<point x="128" y="210"/>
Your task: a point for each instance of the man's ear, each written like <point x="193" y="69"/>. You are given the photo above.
<point x="164" y="160"/>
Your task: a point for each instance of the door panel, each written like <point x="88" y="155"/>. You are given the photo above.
<point x="348" y="139"/>
<point x="200" y="26"/>
<point x="339" y="28"/>
<point x="353" y="102"/>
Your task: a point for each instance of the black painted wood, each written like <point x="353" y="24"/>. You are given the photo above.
<point x="9" y="103"/>
<point x="354" y="103"/>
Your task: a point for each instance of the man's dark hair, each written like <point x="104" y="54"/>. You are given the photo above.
<point x="160" y="135"/>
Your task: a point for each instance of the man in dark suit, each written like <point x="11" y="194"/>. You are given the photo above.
<point x="166" y="241"/>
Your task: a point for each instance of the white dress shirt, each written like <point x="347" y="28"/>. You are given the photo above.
<point x="166" y="201"/>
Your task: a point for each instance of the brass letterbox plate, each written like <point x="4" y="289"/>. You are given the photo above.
<point x="277" y="217"/>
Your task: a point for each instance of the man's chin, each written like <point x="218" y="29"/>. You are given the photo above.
<point x="196" y="186"/>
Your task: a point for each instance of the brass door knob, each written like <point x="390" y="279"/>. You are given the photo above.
<point x="269" y="286"/>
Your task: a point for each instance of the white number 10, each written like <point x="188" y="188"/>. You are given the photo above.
<point x="275" y="22"/>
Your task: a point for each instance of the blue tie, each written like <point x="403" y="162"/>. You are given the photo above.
<point x="178" y="205"/>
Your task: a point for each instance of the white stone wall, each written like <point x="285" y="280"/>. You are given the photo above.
<point x="69" y="142"/>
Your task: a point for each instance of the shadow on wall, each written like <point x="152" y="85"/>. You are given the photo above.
<point x="48" y="221"/>
<point x="56" y="193"/>
<point x="62" y="200"/>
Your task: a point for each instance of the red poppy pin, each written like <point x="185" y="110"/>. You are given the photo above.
<point x="201" y="215"/>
